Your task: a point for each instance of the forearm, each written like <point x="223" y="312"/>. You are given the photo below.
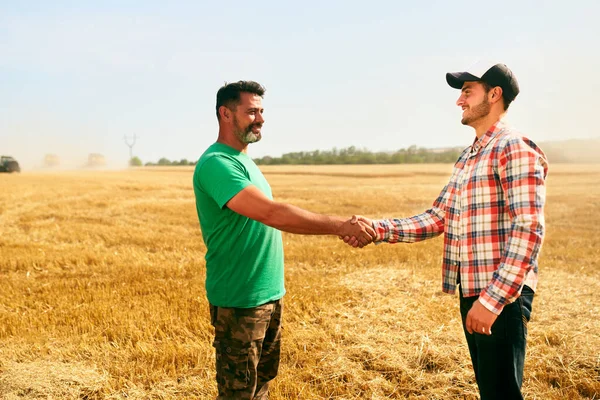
<point x="519" y="257"/>
<point x="252" y="203"/>
<point x="292" y="219"/>
<point x="409" y="230"/>
<point x="414" y="229"/>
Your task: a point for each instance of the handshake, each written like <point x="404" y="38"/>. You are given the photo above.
<point x="358" y="231"/>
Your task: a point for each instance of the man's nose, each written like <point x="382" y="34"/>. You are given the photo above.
<point x="259" y="117"/>
<point x="460" y="101"/>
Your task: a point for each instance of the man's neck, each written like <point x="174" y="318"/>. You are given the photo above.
<point x="231" y="141"/>
<point x="483" y="125"/>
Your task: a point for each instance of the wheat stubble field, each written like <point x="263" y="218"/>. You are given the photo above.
<point x="102" y="297"/>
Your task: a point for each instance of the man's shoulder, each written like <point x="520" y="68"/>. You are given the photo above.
<point x="510" y="136"/>
<point x="215" y="155"/>
<point x="213" y="163"/>
<point x="511" y="139"/>
<point x="508" y="133"/>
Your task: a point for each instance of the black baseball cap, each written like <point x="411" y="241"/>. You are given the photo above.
<point x="492" y="74"/>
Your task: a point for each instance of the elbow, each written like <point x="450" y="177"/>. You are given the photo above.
<point x="268" y="215"/>
<point x="530" y="225"/>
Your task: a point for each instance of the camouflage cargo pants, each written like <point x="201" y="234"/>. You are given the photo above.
<point x="247" y="343"/>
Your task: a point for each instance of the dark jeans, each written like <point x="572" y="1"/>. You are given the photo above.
<point x="498" y="359"/>
<point x="247" y="345"/>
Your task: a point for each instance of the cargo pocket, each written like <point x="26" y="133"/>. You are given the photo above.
<point x="232" y="364"/>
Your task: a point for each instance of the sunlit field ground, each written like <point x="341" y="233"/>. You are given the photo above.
<point x="102" y="297"/>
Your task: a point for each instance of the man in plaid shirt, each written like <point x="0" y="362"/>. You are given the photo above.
<point x="491" y="213"/>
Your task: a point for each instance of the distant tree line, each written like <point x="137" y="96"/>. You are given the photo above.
<point x="568" y="151"/>
<point x="137" y="162"/>
<point x="349" y="155"/>
<point x="352" y="155"/>
<point x="166" y="161"/>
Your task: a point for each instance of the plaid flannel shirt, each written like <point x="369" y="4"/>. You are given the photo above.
<point x="492" y="215"/>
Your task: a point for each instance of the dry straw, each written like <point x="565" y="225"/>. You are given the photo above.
<point x="102" y="290"/>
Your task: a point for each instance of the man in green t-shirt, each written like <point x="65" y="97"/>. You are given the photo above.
<point x="241" y="227"/>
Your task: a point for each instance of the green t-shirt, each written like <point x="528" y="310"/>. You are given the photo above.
<point x="244" y="258"/>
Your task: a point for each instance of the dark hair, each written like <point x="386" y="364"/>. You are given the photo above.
<point x="487" y="87"/>
<point x="229" y="94"/>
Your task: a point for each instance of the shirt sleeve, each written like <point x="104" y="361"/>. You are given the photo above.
<point x="222" y="178"/>
<point x="522" y="172"/>
<point x="414" y="229"/>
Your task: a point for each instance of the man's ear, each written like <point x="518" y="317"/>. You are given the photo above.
<point x="495" y="94"/>
<point x="225" y="113"/>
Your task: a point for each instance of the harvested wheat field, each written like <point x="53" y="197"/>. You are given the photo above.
<point x="102" y="290"/>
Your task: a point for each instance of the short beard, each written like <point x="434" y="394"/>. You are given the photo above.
<point x="246" y="136"/>
<point x="479" y="111"/>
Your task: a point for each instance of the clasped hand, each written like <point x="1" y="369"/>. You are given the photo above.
<point x="358" y="231"/>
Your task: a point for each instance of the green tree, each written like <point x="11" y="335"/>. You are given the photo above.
<point x="135" y="162"/>
<point x="352" y="155"/>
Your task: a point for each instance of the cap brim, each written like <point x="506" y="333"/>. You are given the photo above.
<point x="457" y="79"/>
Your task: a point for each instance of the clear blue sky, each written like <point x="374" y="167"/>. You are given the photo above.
<point x="77" y="76"/>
